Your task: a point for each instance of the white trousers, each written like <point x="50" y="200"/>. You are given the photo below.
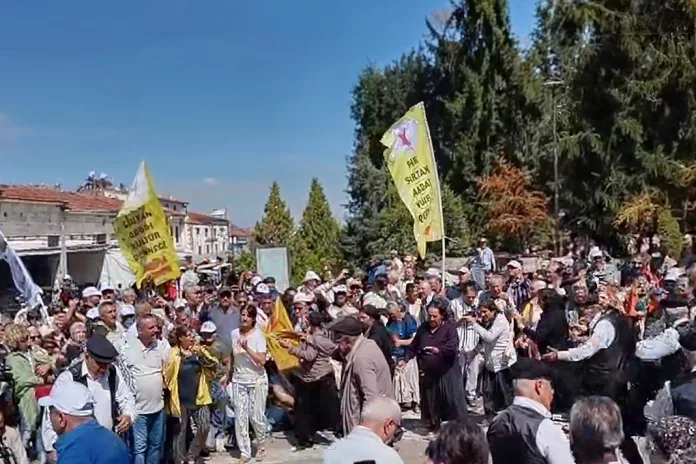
<point x="249" y="402"/>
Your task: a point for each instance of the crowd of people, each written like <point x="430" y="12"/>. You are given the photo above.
<point x="173" y="374"/>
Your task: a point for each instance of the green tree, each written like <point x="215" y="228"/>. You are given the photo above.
<point x="276" y="226"/>
<point x="315" y="244"/>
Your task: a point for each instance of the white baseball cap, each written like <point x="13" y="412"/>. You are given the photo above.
<point x="514" y="264"/>
<point x="90" y="291"/>
<point x="208" y="327"/>
<point x="93" y="314"/>
<point x="262" y="289"/>
<point x="106" y="288"/>
<point x="70" y="398"/>
<point x="301" y="297"/>
<point x="256" y="280"/>
<point x="127" y="310"/>
<point x="340" y="289"/>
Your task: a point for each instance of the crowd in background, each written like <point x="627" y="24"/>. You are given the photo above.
<point x="195" y="367"/>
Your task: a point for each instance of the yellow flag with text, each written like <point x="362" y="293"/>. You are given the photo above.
<point x="143" y="233"/>
<point x="411" y="161"/>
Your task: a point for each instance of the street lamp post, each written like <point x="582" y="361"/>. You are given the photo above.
<point x="553" y="83"/>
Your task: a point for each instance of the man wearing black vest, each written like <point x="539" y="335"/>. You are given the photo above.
<point x="114" y="406"/>
<point x="607" y="355"/>
<point x="524" y="433"/>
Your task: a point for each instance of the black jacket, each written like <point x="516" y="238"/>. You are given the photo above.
<point x="380" y="335"/>
<point x="551" y="330"/>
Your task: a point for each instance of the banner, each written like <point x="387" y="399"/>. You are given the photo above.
<point x="143" y="233"/>
<point x="21" y="278"/>
<point x="411" y="161"/>
<point x="279" y="328"/>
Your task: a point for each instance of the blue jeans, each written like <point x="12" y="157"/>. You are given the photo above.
<point x="148" y="435"/>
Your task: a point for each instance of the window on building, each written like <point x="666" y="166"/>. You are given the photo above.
<point x="171" y="231"/>
<point x="176" y="236"/>
<point x="206" y="231"/>
<point x="199" y="250"/>
<point x="198" y="230"/>
<point x="207" y="249"/>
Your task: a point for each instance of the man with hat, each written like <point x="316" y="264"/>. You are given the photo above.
<point x="365" y="371"/>
<point x="108" y="292"/>
<point x="81" y="439"/>
<point x="264" y="304"/>
<point x="91" y="297"/>
<point x="340" y="306"/>
<point x="114" y="406"/>
<point x="486" y="257"/>
<point x="524" y="432"/>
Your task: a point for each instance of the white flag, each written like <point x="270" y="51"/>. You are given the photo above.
<point x="22" y="280"/>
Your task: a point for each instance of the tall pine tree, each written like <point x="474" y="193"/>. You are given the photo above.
<point x="315" y="244"/>
<point x="276" y="226"/>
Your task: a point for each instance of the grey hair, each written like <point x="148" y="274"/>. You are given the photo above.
<point x="127" y="292"/>
<point x="379" y="409"/>
<point x="76" y="325"/>
<point x="595" y="428"/>
<point x="103" y="305"/>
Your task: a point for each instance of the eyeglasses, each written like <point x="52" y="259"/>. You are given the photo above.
<point x="35" y="337"/>
<point x="398" y="435"/>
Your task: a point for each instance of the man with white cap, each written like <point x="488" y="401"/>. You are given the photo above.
<point x="91" y="297"/>
<point x="108" y="292"/>
<point x="519" y="288"/>
<point x="340" y="306"/>
<point x="486" y="257"/>
<point x="81" y="440"/>
<point x="300" y="307"/>
<point x="310" y="283"/>
<point x="264" y="303"/>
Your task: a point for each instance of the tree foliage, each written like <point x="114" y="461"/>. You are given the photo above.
<point x="601" y="108"/>
<point x="515" y="210"/>
<point x="277" y="226"/>
<point x="315" y="244"/>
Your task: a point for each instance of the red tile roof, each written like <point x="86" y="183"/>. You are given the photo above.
<point x="72" y="201"/>
<point x="236" y="231"/>
<point x="204" y="219"/>
<point x="171" y="199"/>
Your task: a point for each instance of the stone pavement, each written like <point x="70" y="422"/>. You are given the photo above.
<point x="411" y="447"/>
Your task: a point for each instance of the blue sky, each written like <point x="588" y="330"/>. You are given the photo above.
<point x="219" y="97"/>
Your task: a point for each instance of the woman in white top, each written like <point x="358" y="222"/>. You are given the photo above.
<point x="249" y="383"/>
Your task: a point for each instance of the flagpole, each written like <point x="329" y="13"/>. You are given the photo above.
<point x="439" y="191"/>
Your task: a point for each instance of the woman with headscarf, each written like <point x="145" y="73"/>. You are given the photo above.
<point x="403" y="328"/>
<point x="436" y="346"/>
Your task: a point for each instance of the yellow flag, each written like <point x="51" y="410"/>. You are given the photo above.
<point x="279" y="327"/>
<point x="411" y="161"/>
<point x="143" y="233"/>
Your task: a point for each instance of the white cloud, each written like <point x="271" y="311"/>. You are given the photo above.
<point x="210" y="181"/>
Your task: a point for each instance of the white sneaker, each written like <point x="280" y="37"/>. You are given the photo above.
<point x="220" y="445"/>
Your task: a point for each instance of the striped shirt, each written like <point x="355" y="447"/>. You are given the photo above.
<point x="468" y="338"/>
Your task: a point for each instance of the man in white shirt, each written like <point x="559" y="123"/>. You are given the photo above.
<point x="380" y="423"/>
<point x="114" y="407"/>
<point x="466" y="304"/>
<point x="524" y="433"/>
<point x="145" y="358"/>
<point x="498" y="354"/>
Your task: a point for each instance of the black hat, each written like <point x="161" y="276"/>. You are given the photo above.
<point x="101" y="349"/>
<point x="347" y="325"/>
<point x="269" y="280"/>
<point x="531" y="369"/>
